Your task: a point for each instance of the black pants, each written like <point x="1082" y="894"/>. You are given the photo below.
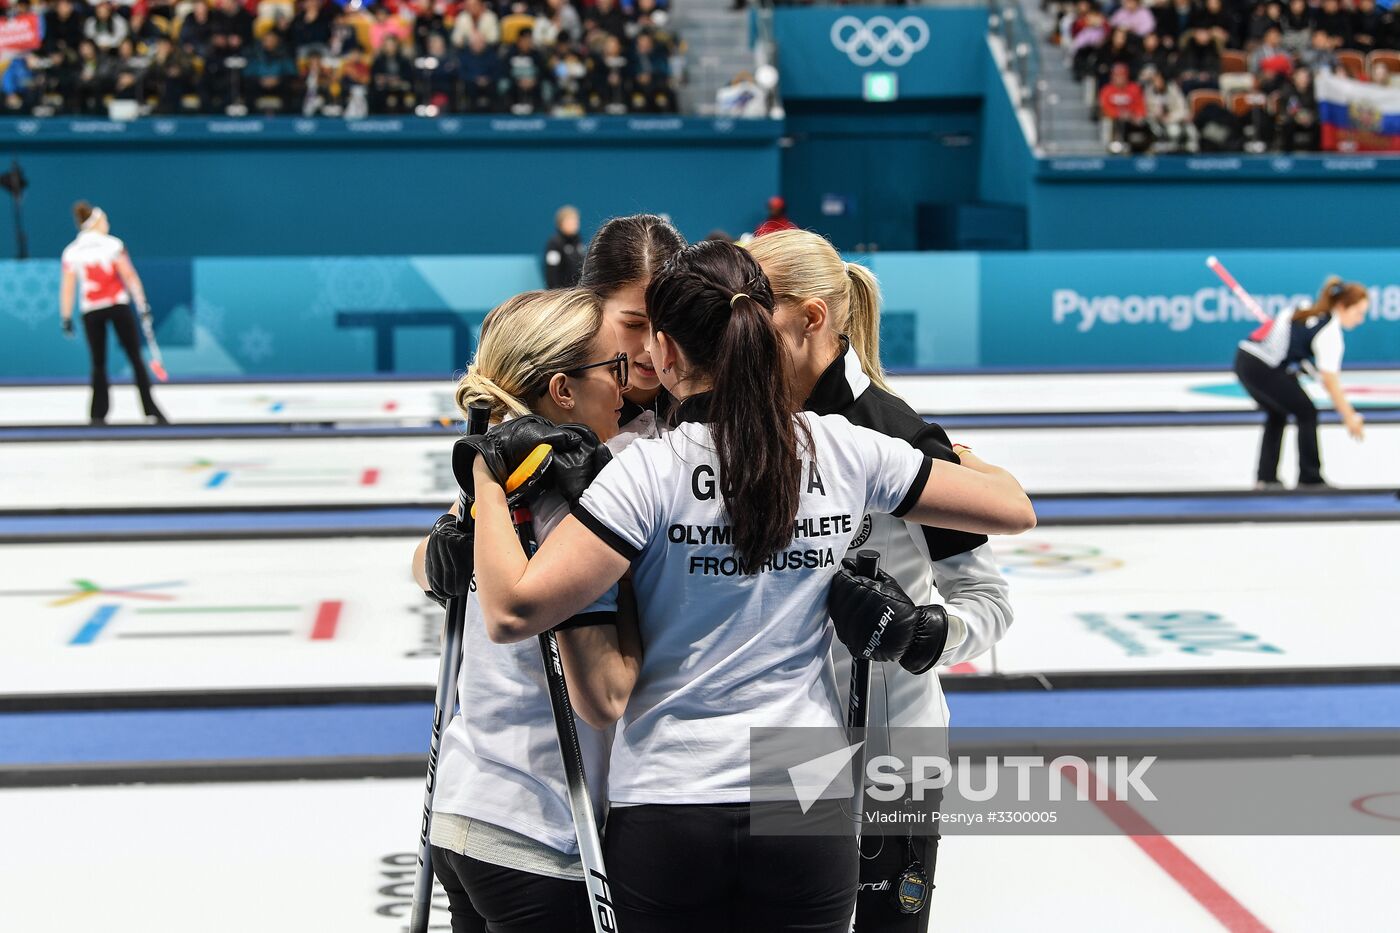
<point x="695" y="868"/>
<point x="883" y="860"/>
<point x="1280" y="396"/>
<point x="123" y="321"/>
<point x="486" y="898"/>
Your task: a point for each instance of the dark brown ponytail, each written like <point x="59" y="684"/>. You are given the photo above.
<point x="715" y="303"/>
<point x="1335" y="293"/>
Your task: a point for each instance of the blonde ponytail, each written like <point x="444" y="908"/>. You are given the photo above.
<point x="524" y="342"/>
<point x="802" y="265"/>
<point x="863" y="321"/>
<point x="475" y="387"/>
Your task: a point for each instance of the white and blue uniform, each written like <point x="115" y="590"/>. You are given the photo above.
<point x="1267" y="365"/>
<point x="1286" y="344"/>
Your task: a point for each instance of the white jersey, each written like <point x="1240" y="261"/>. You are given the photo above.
<point x="93" y="258"/>
<point x="724" y="651"/>
<point x="1284" y="342"/>
<point x="499" y="760"/>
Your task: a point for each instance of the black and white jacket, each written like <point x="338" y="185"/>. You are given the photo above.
<point x="933" y="565"/>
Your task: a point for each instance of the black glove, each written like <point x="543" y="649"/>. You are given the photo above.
<point x="68" y="327"/>
<point x="876" y="619"/>
<point x="504" y="448"/>
<point x="448" y="560"/>
<point x="574" y="469"/>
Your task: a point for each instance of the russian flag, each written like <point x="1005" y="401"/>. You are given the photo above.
<point x="1358" y="116"/>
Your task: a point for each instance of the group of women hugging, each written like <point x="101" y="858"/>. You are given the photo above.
<point x="711" y="406"/>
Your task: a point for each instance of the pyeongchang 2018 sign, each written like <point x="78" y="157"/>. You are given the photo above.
<point x="1166" y="308"/>
<point x="825" y="52"/>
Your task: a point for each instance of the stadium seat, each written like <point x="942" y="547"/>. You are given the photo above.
<point x="1200" y="99"/>
<point x="1352" y="64"/>
<point x="1242" y="104"/>
<point x="1236" y="83"/>
<point x="1233" y="61"/>
<point x="1390" y="58"/>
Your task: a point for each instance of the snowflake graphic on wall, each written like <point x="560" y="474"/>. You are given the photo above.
<point x="29" y="291"/>
<point x="255" y="344"/>
<point x="343" y="284"/>
<point x="210" y="316"/>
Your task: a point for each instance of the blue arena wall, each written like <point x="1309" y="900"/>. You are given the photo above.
<point x="333" y="316"/>
<point x="403" y="186"/>
<point x="1178" y="202"/>
<point x="852" y="169"/>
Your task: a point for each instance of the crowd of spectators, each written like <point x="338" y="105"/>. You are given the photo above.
<point x="1222" y="75"/>
<point x="308" y="57"/>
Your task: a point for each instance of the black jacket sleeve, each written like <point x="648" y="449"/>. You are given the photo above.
<point x="943" y="542"/>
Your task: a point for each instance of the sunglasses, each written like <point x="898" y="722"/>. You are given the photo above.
<point x="618" y="365"/>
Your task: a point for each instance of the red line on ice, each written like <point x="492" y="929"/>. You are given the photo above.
<point x="327" y="618"/>
<point x="1206" y="891"/>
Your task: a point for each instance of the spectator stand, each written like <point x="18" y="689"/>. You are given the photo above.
<point x="561" y="58"/>
<point x="1246" y="68"/>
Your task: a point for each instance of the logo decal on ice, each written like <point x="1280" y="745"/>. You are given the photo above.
<point x="1051" y="560"/>
<point x="86" y="589"/>
<point x="879" y="39"/>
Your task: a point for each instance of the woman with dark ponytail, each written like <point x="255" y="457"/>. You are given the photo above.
<point x="1267" y="365"/>
<point x="624" y="255"/>
<point x="732" y="526"/>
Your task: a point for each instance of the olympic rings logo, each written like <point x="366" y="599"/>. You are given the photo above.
<point x="1056" y="561"/>
<point x="880" y="39"/>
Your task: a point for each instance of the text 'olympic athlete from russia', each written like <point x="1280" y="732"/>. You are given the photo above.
<point x="732" y="526"/>
<point x="828" y="312"/>
<point x="504" y="845"/>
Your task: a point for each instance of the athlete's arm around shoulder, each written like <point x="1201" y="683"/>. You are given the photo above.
<point x="973" y="496"/>
<point x="521" y="598"/>
<point x="601" y="662"/>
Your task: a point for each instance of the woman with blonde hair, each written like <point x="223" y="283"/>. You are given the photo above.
<point x="1267" y="365"/>
<point x="828" y="312"/>
<point x="503" y="839"/>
